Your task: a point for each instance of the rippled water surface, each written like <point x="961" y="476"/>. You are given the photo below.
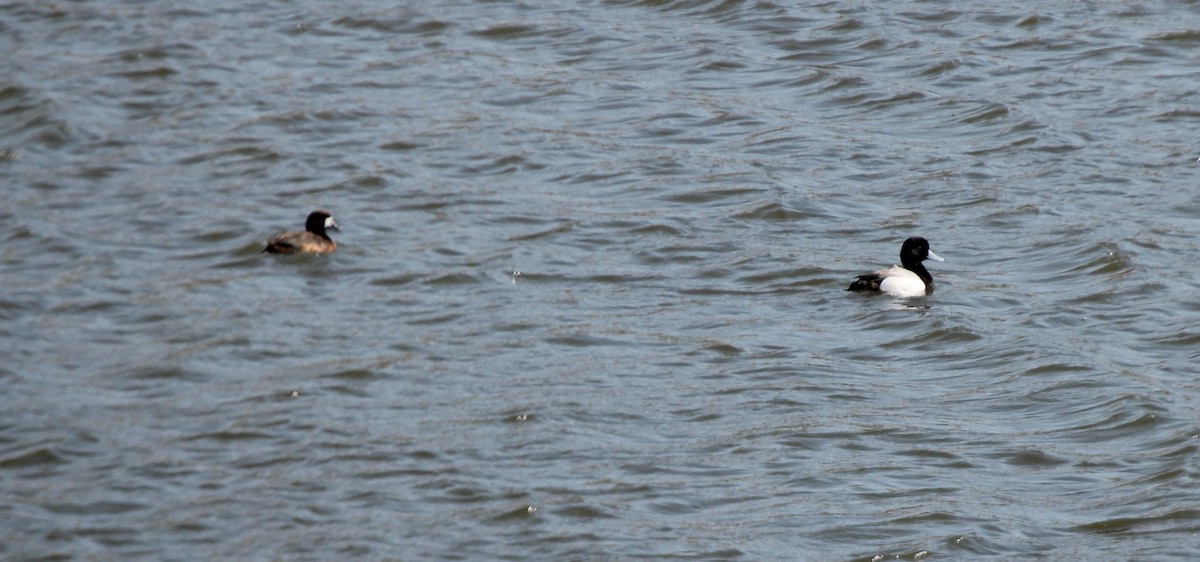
<point x="588" y="302"/>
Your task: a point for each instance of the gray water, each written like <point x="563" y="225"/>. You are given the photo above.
<point x="589" y="297"/>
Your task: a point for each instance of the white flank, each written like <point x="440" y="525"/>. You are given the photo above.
<point x="901" y="282"/>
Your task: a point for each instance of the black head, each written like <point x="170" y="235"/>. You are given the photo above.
<point x="916" y="250"/>
<point x="320" y="220"/>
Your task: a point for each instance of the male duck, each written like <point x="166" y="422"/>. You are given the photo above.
<point x="909" y="279"/>
<point x="311" y="240"/>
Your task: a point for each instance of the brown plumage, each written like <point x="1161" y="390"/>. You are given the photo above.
<point x="311" y="240"/>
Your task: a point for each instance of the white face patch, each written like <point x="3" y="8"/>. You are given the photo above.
<point x="330" y="224"/>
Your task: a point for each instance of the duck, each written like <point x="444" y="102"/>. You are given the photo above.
<point x="909" y="279"/>
<point x="312" y="240"/>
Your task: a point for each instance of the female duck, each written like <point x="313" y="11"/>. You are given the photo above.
<point x="909" y="279"/>
<point x="312" y="240"/>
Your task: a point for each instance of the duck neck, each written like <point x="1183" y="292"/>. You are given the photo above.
<point x="319" y="232"/>
<point x="917" y="267"/>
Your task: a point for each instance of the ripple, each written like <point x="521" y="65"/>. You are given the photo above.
<point x="35" y="458"/>
<point x="603" y="248"/>
<point x="510" y="31"/>
<point x="1168" y="520"/>
<point x="397" y="25"/>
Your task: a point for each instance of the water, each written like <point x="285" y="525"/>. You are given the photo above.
<point x="588" y="303"/>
